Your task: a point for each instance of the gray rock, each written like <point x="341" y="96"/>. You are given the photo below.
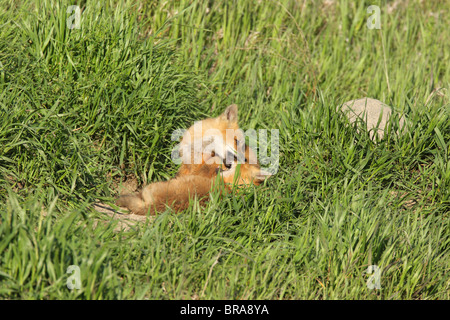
<point x="369" y="110"/>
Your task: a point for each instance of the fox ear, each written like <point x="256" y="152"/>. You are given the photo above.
<point x="231" y="113"/>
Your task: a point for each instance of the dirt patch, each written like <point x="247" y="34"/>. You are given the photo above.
<point x="127" y="184"/>
<point x="125" y="221"/>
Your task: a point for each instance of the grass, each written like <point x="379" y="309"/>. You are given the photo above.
<point x="83" y="110"/>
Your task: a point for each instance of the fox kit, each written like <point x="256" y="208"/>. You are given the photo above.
<point x="209" y="149"/>
<point x="220" y="132"/>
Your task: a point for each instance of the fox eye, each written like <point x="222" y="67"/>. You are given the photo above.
<point x="245" y="159"/>
<point x="236" y="159"/>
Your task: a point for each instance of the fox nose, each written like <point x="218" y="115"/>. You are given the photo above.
<point x="227" y="165"/>
<point x="230" y="157"/>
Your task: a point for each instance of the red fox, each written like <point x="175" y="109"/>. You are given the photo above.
<point x="205" y="150"/>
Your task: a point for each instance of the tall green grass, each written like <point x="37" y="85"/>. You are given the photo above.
<point x="83" y="110"/>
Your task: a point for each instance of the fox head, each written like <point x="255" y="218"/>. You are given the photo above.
<point x="219" y="141"/>
<point x="221" y="129"/>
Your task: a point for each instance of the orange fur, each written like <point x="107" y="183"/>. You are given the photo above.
<point x="197" y="180"/>
<point x="228" y="120"/>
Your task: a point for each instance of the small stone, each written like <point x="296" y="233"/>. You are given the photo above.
<point x="369" y="110"/>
